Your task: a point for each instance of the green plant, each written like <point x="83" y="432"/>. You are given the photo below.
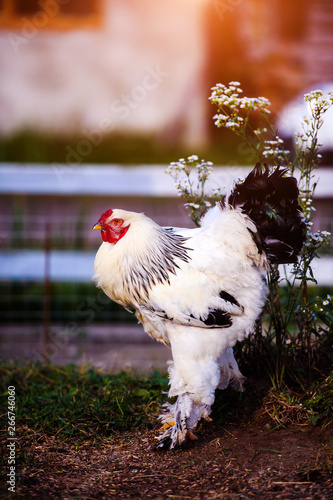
<point x="294" y="339"/>
<point x="191" y="175"/>
<point x="82" y="402"/>
<point x="312" y="406"/>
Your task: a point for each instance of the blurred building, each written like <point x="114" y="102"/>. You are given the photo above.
<point x="97" y="66"/>
<point x="277" y="48"/>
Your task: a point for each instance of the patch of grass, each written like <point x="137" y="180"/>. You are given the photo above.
<point x="72" y="402"/>
<point x="86" y="404"/>
<point x="313" y="406"/>
<point x="319" y="399"/>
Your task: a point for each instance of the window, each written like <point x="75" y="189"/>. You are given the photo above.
<point x="50" y="14"/>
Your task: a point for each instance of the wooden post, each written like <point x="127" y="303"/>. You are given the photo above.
<point x="47" y="291"/>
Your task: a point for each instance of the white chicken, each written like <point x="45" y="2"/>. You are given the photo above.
<point x="200" y="290"/>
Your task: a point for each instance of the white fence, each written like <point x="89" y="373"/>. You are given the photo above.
<point x="68" y="199"/>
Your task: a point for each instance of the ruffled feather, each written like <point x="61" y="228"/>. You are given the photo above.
<point x="270" y="199"/>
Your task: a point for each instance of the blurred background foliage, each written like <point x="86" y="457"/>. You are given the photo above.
<point x="32" y="147"/>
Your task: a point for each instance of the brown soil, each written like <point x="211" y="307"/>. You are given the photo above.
<point x="241" y="461"/>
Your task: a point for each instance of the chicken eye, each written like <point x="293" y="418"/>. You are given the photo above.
<point x="117" y="222"/>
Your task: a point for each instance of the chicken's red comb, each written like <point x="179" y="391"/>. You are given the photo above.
<point x="105" y="216"/>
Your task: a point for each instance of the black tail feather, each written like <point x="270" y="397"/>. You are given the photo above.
<point x="270" y="199"/>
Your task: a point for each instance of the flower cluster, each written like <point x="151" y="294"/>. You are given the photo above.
<point x="323" y="309"/>
<point x="234" y="113"/>
<point x="232" y="106"/>
<point x="327" y="301"/>
<point x="181" y="170"/>
<point x="191" y="175"/>
<point x="316" y="240"/>
<point x="273" y="149"/>
<point x="307" y="141"/>
<point x="318" y="102"/>
<point x="306" y="203"/>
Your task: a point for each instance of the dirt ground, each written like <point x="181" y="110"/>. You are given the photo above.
<point x="237" y="461"/>
<point x="243" y="459"/>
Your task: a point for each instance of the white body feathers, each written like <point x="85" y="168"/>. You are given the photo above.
<point x="197" y="290"/>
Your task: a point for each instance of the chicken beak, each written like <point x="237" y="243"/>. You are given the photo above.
<point x="97" y="226"/>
